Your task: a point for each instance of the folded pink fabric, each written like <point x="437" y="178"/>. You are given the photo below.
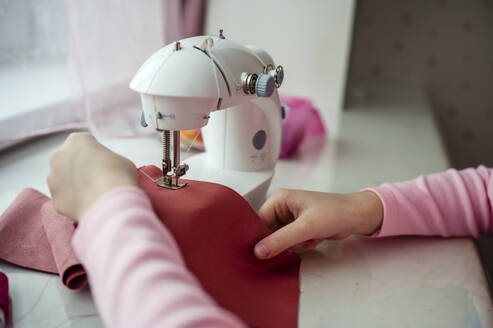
<point x="4" y="295"/>
<point x="33" y="235"/>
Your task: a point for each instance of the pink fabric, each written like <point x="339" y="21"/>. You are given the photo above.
<point x="138" y="277"/>
<point x="33" y="235"/>
<point x="4" y="295"/>
<point x="452" y="203"/>
<point x="301" y="118"/>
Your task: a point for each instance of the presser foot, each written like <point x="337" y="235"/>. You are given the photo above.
<point x="167" y="182"/>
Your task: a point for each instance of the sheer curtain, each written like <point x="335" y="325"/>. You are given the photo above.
<point x="67" y="64"/>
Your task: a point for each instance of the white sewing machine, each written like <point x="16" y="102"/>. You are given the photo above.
<point x="186" y="83"/>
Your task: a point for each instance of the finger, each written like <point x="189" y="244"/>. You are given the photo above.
<point x="80" y="136"/>
<point x="267" y="214"/>
<point x="77" y="139"/>
<point x="54" y="157"/>
<point x="275" y="210"/>
<point x="340" y="236"/>
<point x="290" y="235"/>
<point x="306" y="245"/>
<point x="50" y="183"/>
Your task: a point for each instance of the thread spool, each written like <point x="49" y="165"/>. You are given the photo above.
<point x="4" y="300"/>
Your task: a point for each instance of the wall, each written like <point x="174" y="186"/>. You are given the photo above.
<point x="310" y="39"/>
<point x="442" y="46"/>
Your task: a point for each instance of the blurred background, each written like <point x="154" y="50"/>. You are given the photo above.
<point x="67" y="65"/>
<point x="445" y="48"/>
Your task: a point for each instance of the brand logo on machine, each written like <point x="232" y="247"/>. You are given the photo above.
<point x="163" y="116"/>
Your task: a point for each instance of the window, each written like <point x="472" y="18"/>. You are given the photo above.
<point x="67" y="64"/>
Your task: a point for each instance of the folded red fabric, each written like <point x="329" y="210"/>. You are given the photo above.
<point x="214" y="227"/>
<point x="4" y="294"/>
<point x="33" y="235"/>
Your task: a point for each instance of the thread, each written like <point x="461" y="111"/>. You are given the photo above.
<point x="227" y="71"/>
<point x="70" y="319"/>
<point x="193" y="141"/>
<point x="35" y="304"/>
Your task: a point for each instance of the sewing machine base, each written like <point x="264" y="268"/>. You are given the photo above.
<point x="252" y="186"/>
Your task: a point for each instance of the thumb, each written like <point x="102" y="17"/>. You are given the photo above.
<point x="292" y="234"/>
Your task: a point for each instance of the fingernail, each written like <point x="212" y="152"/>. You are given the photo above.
<point x="261" y="251"/>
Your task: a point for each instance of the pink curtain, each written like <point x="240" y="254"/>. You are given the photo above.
<point x="103" y="43"/>
<point x="184" y="18"/>
<point x="109" y="40"/>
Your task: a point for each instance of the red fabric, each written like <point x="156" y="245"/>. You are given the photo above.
<point x="217" y="246"/>
<point x="214" y="227"/>
<point x="4" y="294"/>
<point x="33" y="235"/>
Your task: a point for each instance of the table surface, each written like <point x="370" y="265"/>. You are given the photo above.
<point x="358" y="282"/>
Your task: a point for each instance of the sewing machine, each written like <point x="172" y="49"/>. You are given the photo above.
<point x="184" y="85"/>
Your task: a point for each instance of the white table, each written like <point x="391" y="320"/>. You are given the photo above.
<point x="391" y="282"/>
<point x="358" y="282"/>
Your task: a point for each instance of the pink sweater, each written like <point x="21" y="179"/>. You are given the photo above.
<point x="135" y="269"/>
<point x="138" y="277"/>
<point x="453" y="203"/>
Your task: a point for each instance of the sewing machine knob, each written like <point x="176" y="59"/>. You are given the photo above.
<point x="279" y="76"/>
<point x="264" y="87"/>
<point x="259" y="139"/>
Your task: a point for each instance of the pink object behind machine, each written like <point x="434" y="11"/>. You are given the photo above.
<point x="300" y="119"/>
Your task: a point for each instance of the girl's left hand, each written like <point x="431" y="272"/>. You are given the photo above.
<point x="301" y="219"/>
<point x="82" y="170"/>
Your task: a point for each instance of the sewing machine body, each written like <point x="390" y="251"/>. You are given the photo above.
<point x="186" y="84"/>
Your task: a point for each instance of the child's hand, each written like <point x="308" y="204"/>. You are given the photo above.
<point x="302" y="219"/>
<point x="82" y="170"/>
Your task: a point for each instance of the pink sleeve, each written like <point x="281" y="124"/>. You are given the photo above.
<point x="452" y="203"/>
<point x="135" y="269"/>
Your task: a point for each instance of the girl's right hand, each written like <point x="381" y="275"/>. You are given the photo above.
<point x="82" y="170"/>
<point x="300" y="220"/>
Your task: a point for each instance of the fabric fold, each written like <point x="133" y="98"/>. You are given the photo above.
<point x="34" y="236"/>
<point x="59" y="230"/>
